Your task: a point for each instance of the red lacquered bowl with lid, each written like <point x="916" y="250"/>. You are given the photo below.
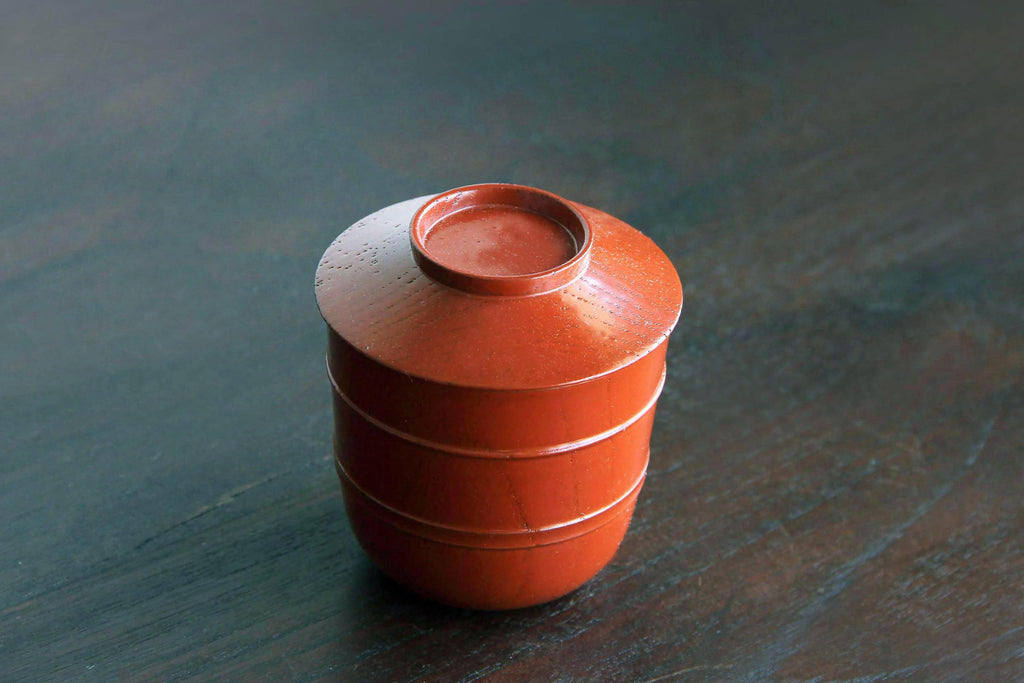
<point x="496" y="353"/>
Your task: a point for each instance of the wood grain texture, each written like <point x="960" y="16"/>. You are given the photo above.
<point x="835" y="484"/>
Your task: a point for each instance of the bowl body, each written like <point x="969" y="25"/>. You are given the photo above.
<point x="484" y="575"/>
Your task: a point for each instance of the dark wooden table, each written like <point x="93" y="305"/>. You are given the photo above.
<point x="836" y="489"/>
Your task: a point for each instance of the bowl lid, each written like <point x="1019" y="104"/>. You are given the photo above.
<point x="498" y="286"/>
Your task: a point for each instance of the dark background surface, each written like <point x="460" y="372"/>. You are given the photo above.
<point x="835" y="488"/>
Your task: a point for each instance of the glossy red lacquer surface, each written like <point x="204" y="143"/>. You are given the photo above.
<point x="496" y="353"/>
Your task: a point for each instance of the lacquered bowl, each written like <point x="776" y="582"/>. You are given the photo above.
<point x="496" y="353"/>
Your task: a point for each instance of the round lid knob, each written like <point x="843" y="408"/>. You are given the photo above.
<point x="502" y="240"/>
